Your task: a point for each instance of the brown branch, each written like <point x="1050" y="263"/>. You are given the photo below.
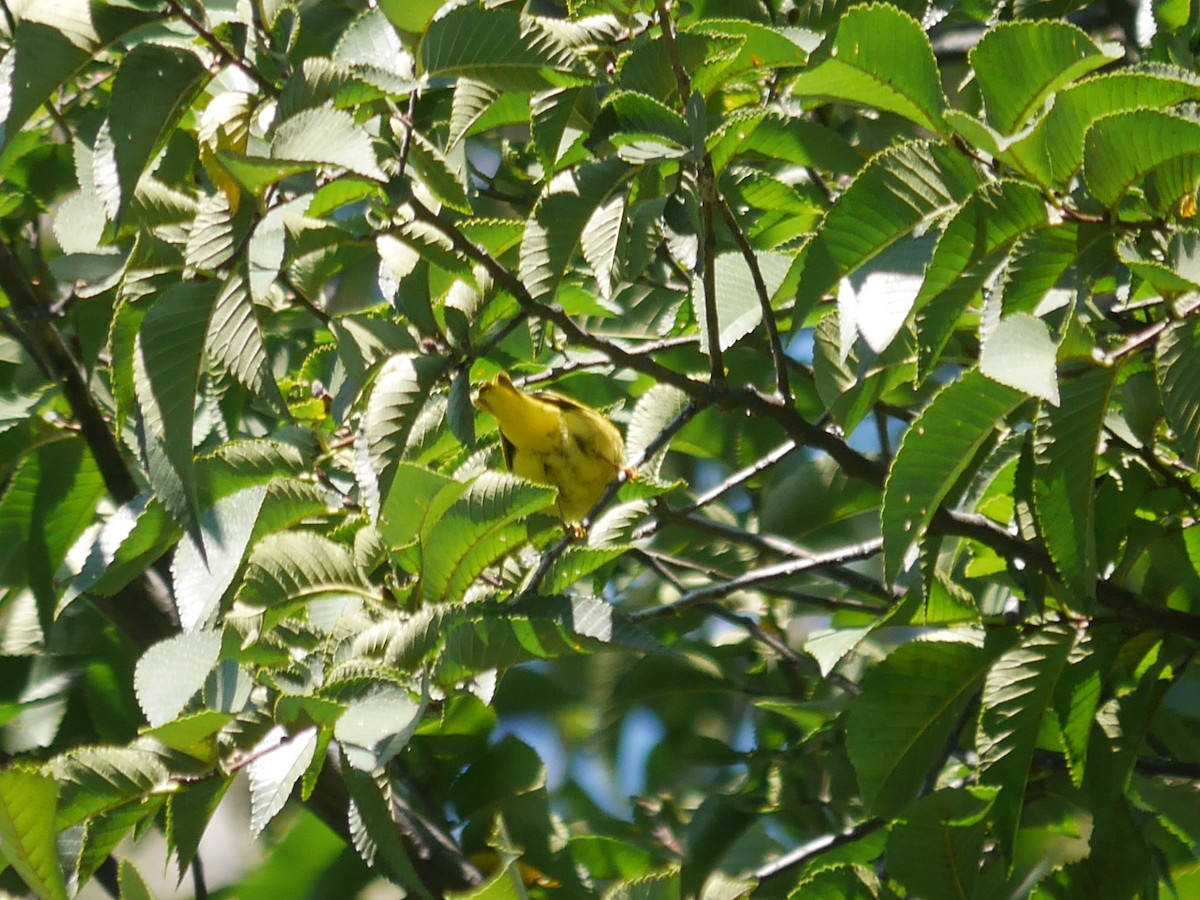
<point x="708" y="274"/>
<point x="62" y="366"/>
<point x="782" y="384"/>
<point x="759" y="576"/>
<point x="218" y="47"/>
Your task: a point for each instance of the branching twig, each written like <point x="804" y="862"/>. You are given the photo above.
<point x="796" y="426"/>
<point x="782" y="385"/>
<point x="758" y="576"/>
<point x="779" y="546"/>
<point x="741" y="477"/>
<point x="215" y="44"/>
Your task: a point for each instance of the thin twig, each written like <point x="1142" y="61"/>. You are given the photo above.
<point x="35" y="321"/>
<point x="406" y="143"/>
<point x="755" y="630"/>
<point x="218" y="47"/>
<point x="814" y="848"/>
<point x="782" y="385"/>
<point x="668" y="35"/>
<point x="1133" y="343"/>
<point x="741" y="477"/>
<point x="779" y="546"/>
<point x="708" y="275"/>
<point x="758" y="576"/>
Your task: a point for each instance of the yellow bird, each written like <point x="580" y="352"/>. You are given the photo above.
<point x="554" y="440"/>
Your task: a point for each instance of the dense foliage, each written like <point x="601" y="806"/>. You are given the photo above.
<point x="894" y="304"/>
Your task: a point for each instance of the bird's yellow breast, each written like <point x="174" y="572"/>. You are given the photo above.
<point x="556" y="441"/>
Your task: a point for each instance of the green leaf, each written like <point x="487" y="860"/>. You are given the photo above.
<point x="1067" y="440"/>
<point x="104" y="832"/>
<point x="480" y="644"/>
<point x="399" y="392"/>
<point x="909" y="706"/>
<point x="506" y="883"/>
<point x="500" y="47"/>
<point x="171" y="672"/>
<point x="410" y="501"/>
<point x="277" y="763"/>
<point x="1049" y="267"/>
<point x="133" y="886"/>
<point x="166" y="366"/>
<point x="375" y="833"/>
<point x="555" y="231"/>
<point x="132" y="537"/>
<point x="27" y="803"/>
<point x="39" y="59"/>
<point x="559" y="120"/>
<point x="202" y="576"/>
<point x="602" y="242"/>
<point x="94" y="780"/>
<point x="486" y="523"/>
<point x="374" y="729"/>
<point x="188" y="813"/>
<point x="968" y="251"/>
<point x="1156" y="150"/>
<point x="1177" y="366"/>
<point x="235" y="341"/>
<point x="654" y="411"/>
<point x="642" y="114"/>
<point x="326" y="136"/>
<point x="1076" y="699"/>
<point x="937" y="848"/>
<point x="1021" y="354"/>
<point x="1021" y="64"/>
<point x="875" y="300"/>
<point x="49" y="502"/>
<point x="577" y="563"/>
<point x="899" y="192"/>
<point x="300" y="565"/>
<point x="410" y="15"/>
<point x="936" y="450"/>
<point x="193" y="734"/>
<point x="759" y="135"/>
<point x="762" y="47"/>
<point x="1053" y="151"/>
<point x="739" y="310"/>
<point x="665" y="884"/>
<point x="431" y="167"/>
<point x="880" y="58"/>
<point x="215" y="234"/>
<point x="1018" y="691"/>
<point x="154" y="86"/>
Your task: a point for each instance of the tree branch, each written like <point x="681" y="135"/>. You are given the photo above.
<point x="219" y="48"/>
<point x="782" y="384"/>
<point x="759" y="576"/>
<point x="815" y="848"/>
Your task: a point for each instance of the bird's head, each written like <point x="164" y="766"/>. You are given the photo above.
<point x="501" y="383"/>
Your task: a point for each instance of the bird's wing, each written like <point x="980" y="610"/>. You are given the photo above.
<point x="506" y="451"/>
